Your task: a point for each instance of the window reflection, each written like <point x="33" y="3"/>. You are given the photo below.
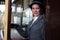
<point x="27" y="16"/>
<point x="2" y="11"/>
<point x="19" y="13"/>
<point x="20" y="17"/>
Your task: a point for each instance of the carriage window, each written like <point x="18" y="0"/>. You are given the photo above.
<point x="21" y="14"/>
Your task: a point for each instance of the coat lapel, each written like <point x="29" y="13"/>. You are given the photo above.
<point x="30" y="24"/>
<point x="39" y="18"/>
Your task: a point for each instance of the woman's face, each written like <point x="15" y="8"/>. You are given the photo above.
<point x="35" y="9"/>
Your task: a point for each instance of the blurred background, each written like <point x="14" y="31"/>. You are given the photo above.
<point x="21" y="15"/>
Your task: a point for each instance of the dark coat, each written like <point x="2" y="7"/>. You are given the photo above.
<point x="37" y="30"/>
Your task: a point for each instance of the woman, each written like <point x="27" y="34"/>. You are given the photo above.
<point x="36" y="26"/>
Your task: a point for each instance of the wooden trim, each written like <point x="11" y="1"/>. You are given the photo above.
<point x="7" y="19"/>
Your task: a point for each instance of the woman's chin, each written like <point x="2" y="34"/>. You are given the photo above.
<point x="35" y="15"/>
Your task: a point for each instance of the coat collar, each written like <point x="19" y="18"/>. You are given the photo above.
<point x="39" y="18"/>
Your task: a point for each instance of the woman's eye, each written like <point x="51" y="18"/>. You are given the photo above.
<point x="37" y="8"/>
<point x="32" y="8"/>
